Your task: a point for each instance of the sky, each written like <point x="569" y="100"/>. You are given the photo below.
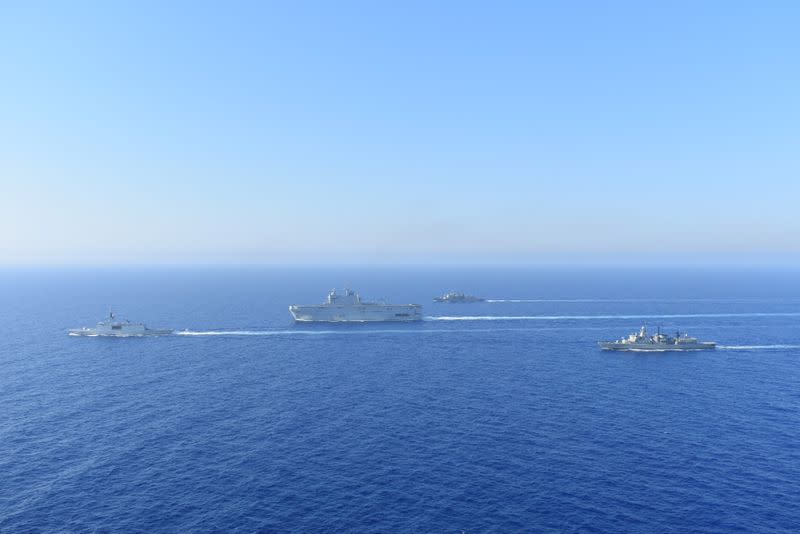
<point x="397" y="132"/>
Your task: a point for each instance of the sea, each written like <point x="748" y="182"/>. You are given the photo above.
<point x="501" y="416"/>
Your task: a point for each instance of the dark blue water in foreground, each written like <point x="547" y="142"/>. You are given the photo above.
<point x="504" y="417"/>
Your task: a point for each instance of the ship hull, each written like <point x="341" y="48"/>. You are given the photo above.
<point x="657" y="347"/>
<point x="356" y="314"/>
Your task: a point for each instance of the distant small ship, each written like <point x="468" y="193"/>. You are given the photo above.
<point x="659" y="342"/>
<point x="113" y="327"/>
<point x="457" y="298"/>
<point x="348" y="307"/>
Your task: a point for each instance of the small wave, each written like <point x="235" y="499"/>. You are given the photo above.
<point x="600" y="317"/>
<point x="758" y="347"/>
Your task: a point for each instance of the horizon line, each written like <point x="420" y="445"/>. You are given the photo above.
<point x="785" y="263"/>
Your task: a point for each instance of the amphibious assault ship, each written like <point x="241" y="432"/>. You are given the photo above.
<point x="348" y="307"/>
<point x="113" y="327"/>
<point x="659" y="342"/>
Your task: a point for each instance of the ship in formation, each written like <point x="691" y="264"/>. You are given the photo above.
<point x="115" y="327"/>
<point x="641" y="341"/>
<point x="347" y="307"/>
<point x="455" y="297"/>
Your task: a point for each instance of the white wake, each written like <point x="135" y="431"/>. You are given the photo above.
<point x="343" y="332"/>
<point x="600" y="317"/>
<point x="758" y="347"/>
<point x="642" y="300"/>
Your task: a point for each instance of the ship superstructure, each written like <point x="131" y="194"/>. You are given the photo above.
<point x="348" y="307"/>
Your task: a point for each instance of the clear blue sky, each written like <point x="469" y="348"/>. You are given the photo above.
<point x="162" y="132"/>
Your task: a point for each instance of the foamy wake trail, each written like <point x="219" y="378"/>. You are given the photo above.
<point x="599" y="317"/>
<point x="727" y="300"/>
<point x="365" y="332"/>
<point x="227" y="333"/>
<point x="518" y="300"/>
<point x="758" y="347"/>
<point x="496" y="301"/>
<point x="255" y="332"/>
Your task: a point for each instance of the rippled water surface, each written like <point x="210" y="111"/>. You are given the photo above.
<point x="500" y="416"/>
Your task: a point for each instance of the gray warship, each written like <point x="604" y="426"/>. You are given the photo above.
<point x="457" y="298"/>
<point x="349" y="308"/>
<point x="114" y="327"/>
<point x="642" y="342"/>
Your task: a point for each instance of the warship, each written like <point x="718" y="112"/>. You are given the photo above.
<point x="114" y="327"/>
<point x="457" y="298"/>
<point x="348" y="307"/>
<point x="641" y="341"/>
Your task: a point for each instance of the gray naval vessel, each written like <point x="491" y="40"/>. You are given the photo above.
<point x="659" y="342"/>
<point x="348" y="307"/>
<point x="114" y="327"/>
<point x="458" y="298"/>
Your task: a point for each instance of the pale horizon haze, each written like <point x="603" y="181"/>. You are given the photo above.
<point x="344" y="132"/>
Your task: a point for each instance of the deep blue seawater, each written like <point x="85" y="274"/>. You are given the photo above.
<point x="491" y="417"/>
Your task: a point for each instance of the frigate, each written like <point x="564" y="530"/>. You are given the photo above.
<point x="348" y="307"/>
<point x="641" y="341"/>
<point x="114" y="327"/>
<point x="458" y="298"/>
